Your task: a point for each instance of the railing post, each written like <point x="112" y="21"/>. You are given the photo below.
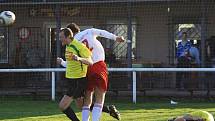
<point x="134" y="87"/>
<point x="53" y="86"/>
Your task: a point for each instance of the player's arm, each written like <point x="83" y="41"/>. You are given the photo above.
<point x="87" y="61"/>
<point x="106" y="34"/>
<point x="85" y="54"/>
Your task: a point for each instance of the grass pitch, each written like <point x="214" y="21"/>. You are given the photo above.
<point x="18" y="110"/>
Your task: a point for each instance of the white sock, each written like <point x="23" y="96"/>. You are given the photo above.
<point x="96" y="112"/>
<point x="85" y="113"/>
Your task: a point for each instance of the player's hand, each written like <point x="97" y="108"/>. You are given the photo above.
<point x="75" y="57"/>
<point x="59" y="60"/>
<point x="69" y="55"/>
<point x="120" y="39"/>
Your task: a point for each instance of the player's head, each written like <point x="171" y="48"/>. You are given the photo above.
<point x="74" y="27"/>
<point x="180" y="119"/>
<point x="66" y="35"/>
<point x="184" y="36"/>
<point x="195" y="116"/>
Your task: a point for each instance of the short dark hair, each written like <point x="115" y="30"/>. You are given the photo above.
<point x="184" y="33"/>
<point x="67" y="32"/>
<point x="74" y="27"/>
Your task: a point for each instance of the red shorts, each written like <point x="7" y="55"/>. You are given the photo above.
<point x="97" y="76"/>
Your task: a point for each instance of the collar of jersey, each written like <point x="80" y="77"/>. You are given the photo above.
<point x="72" y="42"/>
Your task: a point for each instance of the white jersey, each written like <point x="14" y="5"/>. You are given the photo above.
<point x="88" y="37"/>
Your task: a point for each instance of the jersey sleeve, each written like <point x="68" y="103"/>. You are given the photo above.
<point x="63" y="63"/>
<point x="79" y="36"/>
<point x="103" y="33"/>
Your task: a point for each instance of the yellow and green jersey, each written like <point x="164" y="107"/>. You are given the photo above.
<point x="76" y="69"/>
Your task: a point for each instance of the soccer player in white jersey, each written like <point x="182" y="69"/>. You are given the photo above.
<point x="97" y="73"/>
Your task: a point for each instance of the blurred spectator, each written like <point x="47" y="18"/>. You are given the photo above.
<point x="110" y="57"/>
<point x="183" y="60"/>
<point x="193" y="55"/>
<point x="134" y="52"/>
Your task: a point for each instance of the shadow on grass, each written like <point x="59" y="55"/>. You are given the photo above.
<point x="150" y="103"/>
<point x="22" y="108"/>
<point x="161" y="109"/>
<point x="15" y="109"/>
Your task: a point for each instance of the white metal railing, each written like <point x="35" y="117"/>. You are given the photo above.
<point x="134" y="70"/>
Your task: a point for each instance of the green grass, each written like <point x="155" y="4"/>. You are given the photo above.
<point x="18" y="110"/>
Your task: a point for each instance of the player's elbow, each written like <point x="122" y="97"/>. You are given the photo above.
<point x="87" y="61"/>
<point x="90" y="63"/>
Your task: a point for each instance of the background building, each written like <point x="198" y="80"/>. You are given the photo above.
<point x="153" y="26"/>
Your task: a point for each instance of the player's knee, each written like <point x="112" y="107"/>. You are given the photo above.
<point x="88" y="98"/>
<point x="65" y="102"/>
<point x="61" y="106"/>
<point x="100" y="97"/>
<point x="87" y="102"/>
<point x="79" y="103"/>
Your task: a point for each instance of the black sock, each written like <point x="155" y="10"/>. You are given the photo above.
<point x="104" y="109"/>
<point x="91" y="107"/>
<point x="71" y="114"/>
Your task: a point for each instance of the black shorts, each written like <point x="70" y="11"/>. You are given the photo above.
<point x="76" y="87"/>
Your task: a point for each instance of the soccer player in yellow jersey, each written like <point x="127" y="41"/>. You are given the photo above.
<point x="97" y="73"/>
<point x="78" y="57"/>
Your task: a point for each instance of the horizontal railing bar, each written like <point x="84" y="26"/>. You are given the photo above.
<point x="164" y="69"/>
<point x="116" y="69"/>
